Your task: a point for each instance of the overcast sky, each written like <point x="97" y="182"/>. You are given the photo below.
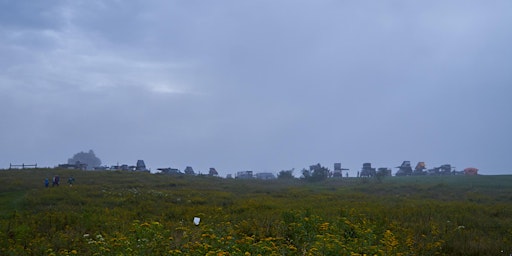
<point x="257" y="85"/>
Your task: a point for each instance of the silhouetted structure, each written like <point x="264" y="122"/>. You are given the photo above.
<point x="338" y="171"/>
<point x="244" y="175"/>
<point x="445" y="169"/>
<point x="213" y="172"/>
<point x="169" y="170"/>
<point x="367" y="170"/>
<point x="265" y="176"/>
<point x="419" y="169"/>
<point x="141" y="166"/>
<point x="405" y="169"/>
<point x="76" y="166"/>
<point x="383" y="171"/>
<point x="189" y="170"/>
<point x="123" y="167"/>
<point x="23" y="166"/>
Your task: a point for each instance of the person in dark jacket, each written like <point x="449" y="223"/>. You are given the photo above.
<point x="56" y="180"/>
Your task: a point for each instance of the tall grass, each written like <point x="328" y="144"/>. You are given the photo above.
<point x="128" y="213"/>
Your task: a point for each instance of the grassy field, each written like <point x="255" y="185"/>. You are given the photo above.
<point x="127" y="213"/>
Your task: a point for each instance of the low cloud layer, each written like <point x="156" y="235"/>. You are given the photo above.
<point x="260" y="86"/>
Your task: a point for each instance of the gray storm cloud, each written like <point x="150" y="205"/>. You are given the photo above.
<point x="260" y="86"/>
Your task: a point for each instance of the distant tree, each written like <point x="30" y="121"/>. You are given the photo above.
<point x="285" y="174"/>
<point x="88" y="158"/>
<point x="316" y="173"/>
<point x="306" y="174"/>
<point x="319" y="174"/>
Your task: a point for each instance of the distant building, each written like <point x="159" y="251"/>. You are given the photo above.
<point x="123" y="167"/>
<point x="76" y="166"/>
<point x="419" y="169"/>
<point x="169" y="170"/>
<point x="405" y="169"/>
<point x="367" y="170"/>
<point x="244" y="175"/>
<point x="445" y="169"/>
<point x="213" y="172"/>
<point x="338" y="171"/>
<point x="141" y="166"/>
<point x="189" y="170"/>
<point x="383" y="171"/>
<point x="265" y="176"/>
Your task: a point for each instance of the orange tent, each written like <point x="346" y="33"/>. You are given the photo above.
<point x="471" y="171"/>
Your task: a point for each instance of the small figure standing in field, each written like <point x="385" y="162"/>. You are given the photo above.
<point x="46" y="182"/>
<point x="56" y="180"/>
<point x="71" y="180"/>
